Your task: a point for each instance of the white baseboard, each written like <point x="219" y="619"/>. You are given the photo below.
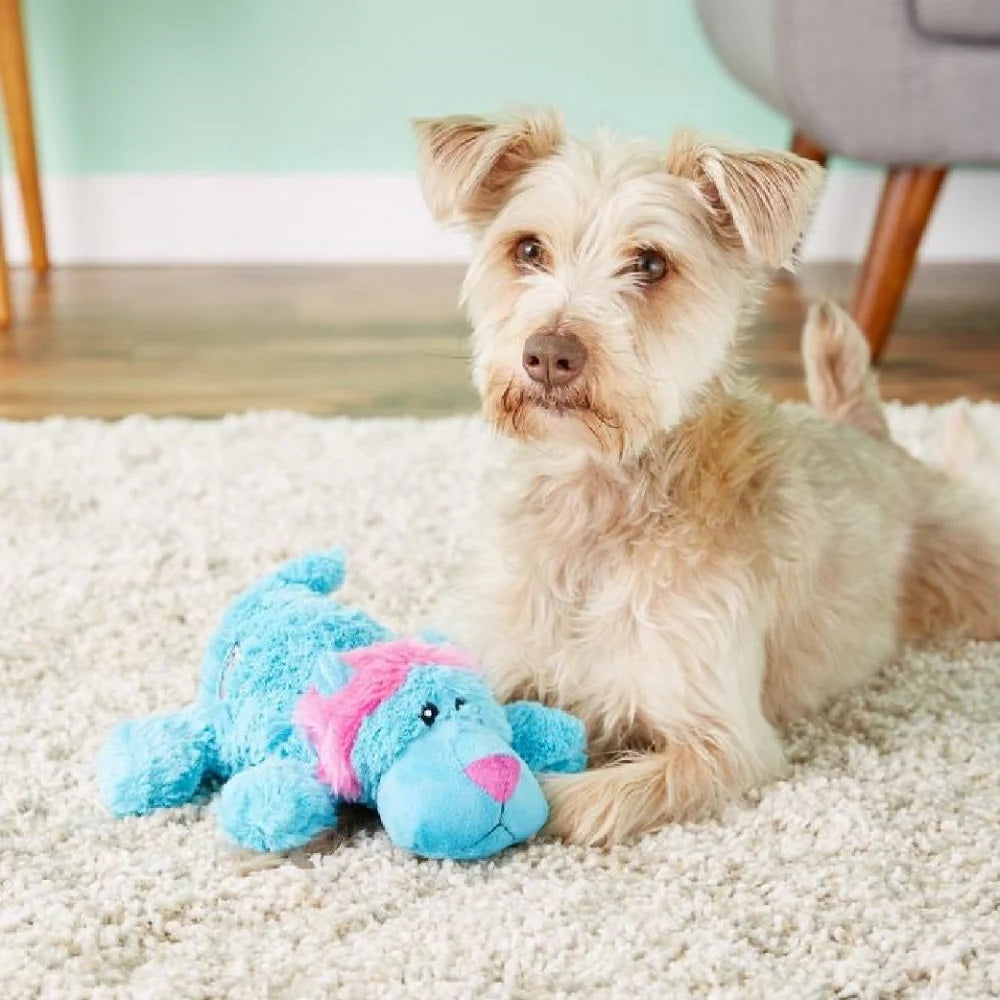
<point x="233" y="219"/>
<point x="332" y="218"/>
<point x="965" y="225"/>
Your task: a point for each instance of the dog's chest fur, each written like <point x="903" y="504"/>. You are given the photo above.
<point x="599" y="577"/>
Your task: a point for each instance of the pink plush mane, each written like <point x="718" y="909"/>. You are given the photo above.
<point x="331" y="722"/>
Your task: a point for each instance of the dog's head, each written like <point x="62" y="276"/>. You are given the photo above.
<point x="609" y="279"/>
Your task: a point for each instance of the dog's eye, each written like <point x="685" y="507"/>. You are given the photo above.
<point x="529" y="253"/>
<point x="649" y="265"/>
<point x="459" y="702"/>
<point x="429" y="713"/>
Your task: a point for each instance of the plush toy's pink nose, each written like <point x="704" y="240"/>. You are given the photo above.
<point x="497" y="775"/>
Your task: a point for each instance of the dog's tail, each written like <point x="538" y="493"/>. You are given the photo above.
<point x="839" y="377"/>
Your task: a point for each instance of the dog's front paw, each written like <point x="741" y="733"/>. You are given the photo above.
<point x="578" y="811"/>
<point x="615" y="804"/>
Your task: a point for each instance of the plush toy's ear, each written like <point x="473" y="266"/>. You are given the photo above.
<point x="469" y="166"/>
<point x="547" y="739"/>
<point x="758" y="200"/>
<point x="330" y="673"/>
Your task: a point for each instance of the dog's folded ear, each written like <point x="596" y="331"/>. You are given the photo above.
<point x="758" y="200"/>
<point x="469" y="166"/>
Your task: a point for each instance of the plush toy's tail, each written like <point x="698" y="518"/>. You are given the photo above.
<point x="309" y="578"/>
<point x="321" y="572"/>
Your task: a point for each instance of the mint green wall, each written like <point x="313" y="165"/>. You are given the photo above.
<point x="328" y="85"/>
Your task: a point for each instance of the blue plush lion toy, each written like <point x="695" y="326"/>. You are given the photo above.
<point x="306" y="703"/>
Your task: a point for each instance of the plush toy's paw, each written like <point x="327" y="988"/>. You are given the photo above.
<point x="152" y="763"/>
<point x="277" y="805"/>
<point x="547" y="739"/>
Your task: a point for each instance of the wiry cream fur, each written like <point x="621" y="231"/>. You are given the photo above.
<point x="670" y="554"/>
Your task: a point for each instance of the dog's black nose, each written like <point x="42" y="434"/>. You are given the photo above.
<point x="554" y="359"/>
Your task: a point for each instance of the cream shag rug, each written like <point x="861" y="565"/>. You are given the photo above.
<point x="873" y="871"/>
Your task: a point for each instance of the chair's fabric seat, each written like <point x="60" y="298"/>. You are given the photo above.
<point x="863" y="79"/>
<point x="962" y="20"/>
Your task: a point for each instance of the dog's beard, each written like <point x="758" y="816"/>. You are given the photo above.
<point x="530" y="413"/>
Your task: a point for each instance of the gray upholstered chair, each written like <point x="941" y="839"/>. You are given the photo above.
<point x="911" y="84"/>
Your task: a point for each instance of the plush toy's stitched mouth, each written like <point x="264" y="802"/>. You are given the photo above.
<point x="499" y="825"/>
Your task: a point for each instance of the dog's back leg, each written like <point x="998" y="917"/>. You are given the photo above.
<point x="839" y="378"/>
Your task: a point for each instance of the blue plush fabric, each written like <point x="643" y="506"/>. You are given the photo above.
<point x="415" y="774"/>
<point x="427" y="802"/>
<point x="387" y="733"/>
<point x="547" y="740"/>
<point x="275" y="640"/>
<point x="276" y="805"/>
<point x="459" y="785"/>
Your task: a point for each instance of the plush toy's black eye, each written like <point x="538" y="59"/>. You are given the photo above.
<point x="429" y="713"/>
<point x="459" y="702"/>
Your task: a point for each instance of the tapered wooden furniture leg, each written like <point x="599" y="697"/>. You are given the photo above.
<point x="908" y="199"/>
<point x="4" y="284"/>
<point x="17" y="103"/>
<point x="803" y="146"/>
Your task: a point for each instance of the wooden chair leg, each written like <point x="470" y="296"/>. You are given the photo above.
<point x="805" y="147"/>
<point x="4" y="283"/>
<point x="908" y="199"/>
<point x="17" y="101"/>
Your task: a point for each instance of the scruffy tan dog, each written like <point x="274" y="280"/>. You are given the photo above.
<point x="672" y="555"/>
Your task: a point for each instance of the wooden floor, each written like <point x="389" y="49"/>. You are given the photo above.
<point x="361" y="340"/>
